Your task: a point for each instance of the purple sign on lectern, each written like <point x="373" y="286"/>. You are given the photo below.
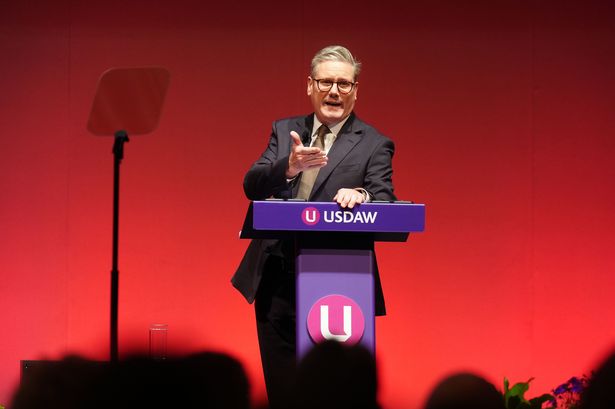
<point x="329" y="216"/>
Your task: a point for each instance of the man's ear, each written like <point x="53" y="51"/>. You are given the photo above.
<point x="310" y="81"/>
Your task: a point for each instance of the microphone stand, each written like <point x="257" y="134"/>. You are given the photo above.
<point x="121" y="137"/>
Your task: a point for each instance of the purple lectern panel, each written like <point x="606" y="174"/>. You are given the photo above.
<point x="335" y="297"/>
<point x="329" y="216"/>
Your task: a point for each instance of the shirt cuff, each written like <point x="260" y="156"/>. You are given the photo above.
<point x="365" y="193"/>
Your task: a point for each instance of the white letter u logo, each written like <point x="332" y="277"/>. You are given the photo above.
<point x="324" y="324"/>
<point x="312" y="218"/>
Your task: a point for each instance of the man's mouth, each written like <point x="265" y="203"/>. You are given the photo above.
<point x="333" y="103"/>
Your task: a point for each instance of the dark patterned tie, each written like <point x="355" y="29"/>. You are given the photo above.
<point x="309" y="176"/>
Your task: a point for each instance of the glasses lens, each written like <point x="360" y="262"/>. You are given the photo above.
<point x="344" y="86"/>
<point x="324" y="85"/>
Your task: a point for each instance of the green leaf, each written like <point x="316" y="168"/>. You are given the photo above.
<point x="517" y="391"/>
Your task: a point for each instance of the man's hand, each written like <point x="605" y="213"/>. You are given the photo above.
<point x="349" y="197"/>
<point x="302" y="158"/>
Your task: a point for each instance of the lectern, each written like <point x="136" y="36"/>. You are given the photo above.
<point x="334" y="260"/>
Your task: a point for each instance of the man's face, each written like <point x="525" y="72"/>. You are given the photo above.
<point x="332" y="106"/>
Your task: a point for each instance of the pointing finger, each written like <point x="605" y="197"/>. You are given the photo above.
<point x="296" y="138"/>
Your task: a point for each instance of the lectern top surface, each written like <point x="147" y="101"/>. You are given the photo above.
<point x="300" y="216"/>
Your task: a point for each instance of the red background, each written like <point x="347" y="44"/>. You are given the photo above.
<point x="502" y="114"/>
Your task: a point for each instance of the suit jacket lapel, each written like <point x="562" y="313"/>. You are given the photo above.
<point x="304" y="129"/>
<point x="348" y="137"/>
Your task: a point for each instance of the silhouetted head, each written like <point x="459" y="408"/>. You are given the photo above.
<point x="464" y="391"/>
<point x="599" y="392"/>
<point x="333" y="375"/>
<point x="204" y="380"/>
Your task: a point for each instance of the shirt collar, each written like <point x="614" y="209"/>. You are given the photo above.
<point x="335" y="129"/>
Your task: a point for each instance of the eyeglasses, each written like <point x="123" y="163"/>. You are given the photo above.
<point x="343" y="86"/>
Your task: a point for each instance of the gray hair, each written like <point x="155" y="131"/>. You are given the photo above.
<point x="335" y="53"/>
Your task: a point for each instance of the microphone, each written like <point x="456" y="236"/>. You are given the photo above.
<point x="305" y="138"/>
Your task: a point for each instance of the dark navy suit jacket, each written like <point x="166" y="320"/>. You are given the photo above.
<point x="359" y="157"/>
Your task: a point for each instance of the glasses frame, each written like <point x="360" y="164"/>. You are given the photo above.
<point x="317" y="81"/>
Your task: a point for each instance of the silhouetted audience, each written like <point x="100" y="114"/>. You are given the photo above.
<point x="464" y="391"/>
<point x="599" y="393"/>
<point x="205" y="380"/>
<point x="334" y="375"/>
<point x="69" y="383"/>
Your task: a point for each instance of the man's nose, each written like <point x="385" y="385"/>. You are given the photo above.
<point x="334" y="89"/>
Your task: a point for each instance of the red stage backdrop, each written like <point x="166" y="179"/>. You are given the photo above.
<point x="502" y="114"/>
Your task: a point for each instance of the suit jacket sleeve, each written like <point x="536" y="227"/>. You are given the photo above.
<point x="379" y="173"/>
<point x="267" y="176"/>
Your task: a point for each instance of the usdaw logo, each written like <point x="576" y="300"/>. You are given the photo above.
<point x="310" y="216"/>
<point x="336" y="317"/>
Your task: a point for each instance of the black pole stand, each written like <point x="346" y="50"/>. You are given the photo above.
<point x="118" y="153"/>
<point x="127" y="100"/>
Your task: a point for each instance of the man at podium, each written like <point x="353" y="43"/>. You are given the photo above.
<point x="329" y="155"/>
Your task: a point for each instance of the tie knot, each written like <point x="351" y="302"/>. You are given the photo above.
<point x="322" y="131"/>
